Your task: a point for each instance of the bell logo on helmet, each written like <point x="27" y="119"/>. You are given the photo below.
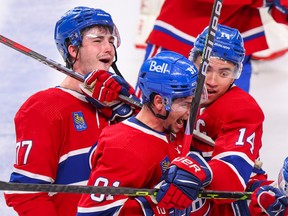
<point x="158" y="68"/>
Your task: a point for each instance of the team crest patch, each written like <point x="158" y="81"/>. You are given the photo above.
<point x="79" y="121"/>
<point x="164" y="164"/>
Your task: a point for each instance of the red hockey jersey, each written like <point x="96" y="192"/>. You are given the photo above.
<point x="55" y="130"/>
<point x="128" y="154"/>
<point x="234" y="122"/>
<point x="180" y="21"/>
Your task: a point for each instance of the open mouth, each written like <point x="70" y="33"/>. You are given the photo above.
<point x="105" y="60"/>
<point x="180" y="122"/>
<point x="211" y="91"/>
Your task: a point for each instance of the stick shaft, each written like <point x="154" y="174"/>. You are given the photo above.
<point x="8" y="186"/>
<point x="212" y="28"/>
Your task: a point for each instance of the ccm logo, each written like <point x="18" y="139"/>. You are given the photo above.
<point x="158" y="68"/>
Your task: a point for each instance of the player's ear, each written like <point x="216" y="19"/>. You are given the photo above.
<point x="158" y="102"/>
<point x="72" y="51"/>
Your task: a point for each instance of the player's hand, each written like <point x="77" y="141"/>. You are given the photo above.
<point x="102" y="89"/>
<point x="183" y="181"/>
<point x="105" y="87"/>
<point x="268" y="200"/>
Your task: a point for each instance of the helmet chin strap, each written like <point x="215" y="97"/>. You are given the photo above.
<point x="163" y="117"/>
<point x="114" y="66"/>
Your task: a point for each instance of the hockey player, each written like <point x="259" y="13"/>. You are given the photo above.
<point x="179" y="23"/>
<point x="56" y="128"/>
<point x="136" y="152"/>
<point x="226" y="117"/>
<point x="270" y="200"/>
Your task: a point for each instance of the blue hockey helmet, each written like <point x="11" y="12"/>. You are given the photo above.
<point x="228" y="46"/>
<point x="74" y="21"/>
<point x="168" y="74"/>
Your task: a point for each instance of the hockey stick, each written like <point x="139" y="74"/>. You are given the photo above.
<point x="206" y="194"/>
<point x="55" y="65"/>
<point x="217" y="6"/>
<point x="65" y="70"/>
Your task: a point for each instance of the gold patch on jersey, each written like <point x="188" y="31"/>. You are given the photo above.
<point x="165" y="163"/>
<point x="79" y="121"/>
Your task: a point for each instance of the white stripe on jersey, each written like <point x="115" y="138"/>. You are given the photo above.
<point x="240" y="154"/>
<point x="252" y="32"/>
<point x="33" y="175"/>
<point x="73" y="153"/>
<point x="99" y="209"/>
<point x="175" y="30"/>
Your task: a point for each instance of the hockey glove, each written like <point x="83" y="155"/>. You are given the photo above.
<point x="102" y="89"/>
<point x="283" y="178"/>
<point x="105" y="87"/>
<point x="183" y="181"/>
<point x="268" y="200"/>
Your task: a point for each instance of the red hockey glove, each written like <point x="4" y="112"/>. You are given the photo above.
<point x="268" y="200"/>
<point x="102" y="89"/>
<point x="149" y="207"/>
<point x="104" y="86"/>
<point x="183" y="181"/>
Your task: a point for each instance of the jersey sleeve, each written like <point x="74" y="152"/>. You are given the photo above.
<point x="235" y="123"/>
<point x="36" y="161"/>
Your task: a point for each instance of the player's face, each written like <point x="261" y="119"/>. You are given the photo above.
<point x="97" y="51"/>
<point x="178" y="115"/>
<point x="218" y="79"/>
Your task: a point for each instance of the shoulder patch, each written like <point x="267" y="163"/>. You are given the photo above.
<point x="79" y="121"/>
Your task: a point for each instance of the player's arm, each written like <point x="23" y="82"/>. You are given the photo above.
<point x="236" y="149"/>
<point x="271" y="199"/>
<point x="35" y="163"/>
<point x="116" y="166"/>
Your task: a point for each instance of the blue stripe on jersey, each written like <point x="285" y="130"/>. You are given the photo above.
<point x="240" y="208"/>
<point x="146" y="208"/>
<point x="19" y="178"/>
<point x="256" y="35"/>
<point x="242" y="166"/>
<point x="74" y="169"/>
<point x="173" y="35"/>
